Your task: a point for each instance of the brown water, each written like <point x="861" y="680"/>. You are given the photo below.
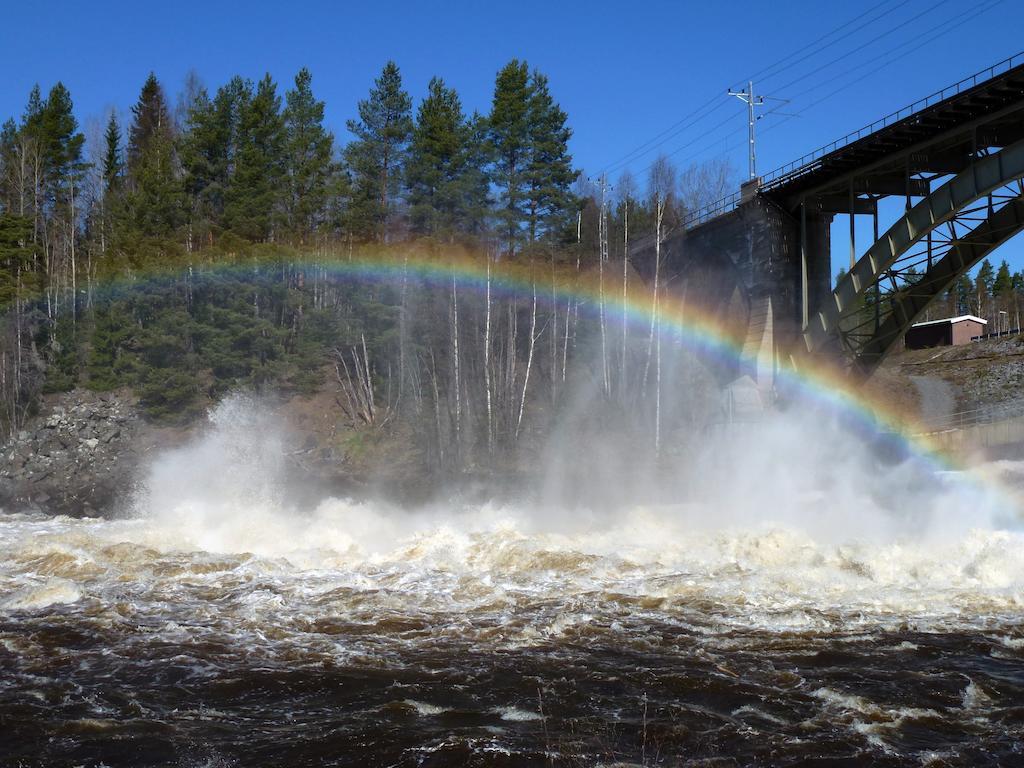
<point x="475" y="639"/>
<point x="828" y="612"/>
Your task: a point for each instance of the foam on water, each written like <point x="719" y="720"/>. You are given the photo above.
<point x="51" y="592"/>
<point x="776" y="545"/>
<point x="773" y="602"/>
<point x="770" y="575"/>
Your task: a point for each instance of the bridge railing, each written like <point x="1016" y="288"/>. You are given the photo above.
<point x="808" y="162"/>
<point x="711" y="210"/>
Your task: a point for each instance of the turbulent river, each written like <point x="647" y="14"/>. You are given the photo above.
<point x="215" y="627"/>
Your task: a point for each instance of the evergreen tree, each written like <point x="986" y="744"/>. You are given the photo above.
<point x="375" y="159"/>
<point x="9" y="168"/>
<point x="31" y="140"/>
<point x="112" y="162"/>
<point x="60" y="146"/>
<point x="983" y="283"/>
<point x="208" y="149"/>
<point x="549" y="173"/>
<point x="446" y="183"/>
<point x="203" y="152"/>
<point x="509" y="144"/>
<point x="1017" y="282"/>
<point x="151" y="126"/>
<point x="32" y="117"/>
<point x="964" y="291"/>
<point x="308" y="150"/>
<point x="254" y="192"/>
<point x="1002" y="286"/>
<point x="154" y="199"/>
<point x="111" y="175"/>
<point x="477" y="180"/>
<point x="15" y="256"/>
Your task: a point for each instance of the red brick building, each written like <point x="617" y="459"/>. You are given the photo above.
<point x="950" y="331"/>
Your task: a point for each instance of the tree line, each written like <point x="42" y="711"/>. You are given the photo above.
<point x="242" y="162"/>
<point x="245" y="176"/>
<point x="996" y="295"/>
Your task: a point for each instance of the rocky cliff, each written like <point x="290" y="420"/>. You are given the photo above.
<point x="86" y="454"/>
<point x="78" y="457"/>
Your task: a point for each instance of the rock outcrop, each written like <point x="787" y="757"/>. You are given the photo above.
<point x="77" y="458"/>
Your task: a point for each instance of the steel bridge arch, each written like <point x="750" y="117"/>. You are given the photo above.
<point x="874" y="304"/>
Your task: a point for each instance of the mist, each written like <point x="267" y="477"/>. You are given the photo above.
<point x="794" y="476"/>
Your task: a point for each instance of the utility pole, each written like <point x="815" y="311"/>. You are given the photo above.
<point x="751" y="101"/>
<point x="602" y="257"/>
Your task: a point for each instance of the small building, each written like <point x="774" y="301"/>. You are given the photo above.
<point x="950" y="331"/>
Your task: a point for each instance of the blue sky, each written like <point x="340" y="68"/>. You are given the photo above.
<point x="624" y="72"/>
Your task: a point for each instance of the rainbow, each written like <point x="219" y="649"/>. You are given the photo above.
<point x="814" y="383"/>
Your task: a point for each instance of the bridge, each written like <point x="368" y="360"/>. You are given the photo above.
<point x="946" y="177"/>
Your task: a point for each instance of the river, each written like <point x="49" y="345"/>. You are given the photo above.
<point x="223" y="629"/>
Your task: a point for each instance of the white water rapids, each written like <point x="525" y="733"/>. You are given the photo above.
<point x="770" y="550"/>
<point x="216" y="576"/>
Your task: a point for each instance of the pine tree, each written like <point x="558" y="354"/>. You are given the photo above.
<point x="1017" y="282"/>
<point x="111" y="177"/>
<point x="477" y="180"/>
<point x="31" y="141"/>
<point x="254" y="192"/>
<point x="549" y="174"/>
<point x="112" y="162"/>
<point x="309" y="147"/>
<point x="9" y="168"/>
<point x="446" y="183"/>
<point x="61" y="144"/>
<point x="33" y="114"/>
<point x="1003" y="283"/>
<point x="509" y="144"/>
<point x="15" y="256"/>
<point x="375" y="159"/>
<point x="151" y="127"/>
<point x="208" y="149"/>
<point x="154" y="199"/>
<point x="202" y="151"/>
<point x="964" y="291"/>
<point x="983" y="284"/>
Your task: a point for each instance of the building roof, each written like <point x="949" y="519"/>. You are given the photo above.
<point x="951" y="321"/>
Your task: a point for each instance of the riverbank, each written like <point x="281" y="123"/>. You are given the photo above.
<point x="87" y="454"/>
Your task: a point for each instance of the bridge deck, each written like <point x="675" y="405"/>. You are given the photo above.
<point x="951" y="115"/>
<point x="980" y="111"/>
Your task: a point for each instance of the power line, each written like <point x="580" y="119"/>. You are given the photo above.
<point x="713" y="105"/>
<point x="768" y="73"/>
<point x="943" y="28"/>
<point x="861" y="46"/>
<point x="931" y="35"/>
<point x="668" y="133"/>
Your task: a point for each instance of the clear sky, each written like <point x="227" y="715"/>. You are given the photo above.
<point x="624" y="72"/>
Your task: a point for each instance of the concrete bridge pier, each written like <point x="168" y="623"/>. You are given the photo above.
<point x="757" y="272"/>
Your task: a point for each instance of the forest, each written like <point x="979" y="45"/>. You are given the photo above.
<point x="192" y="251"/>
<point x="189" y="253"/>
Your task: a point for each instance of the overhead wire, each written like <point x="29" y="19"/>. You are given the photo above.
<point x="715" y="104"/>
<point x="931" y="34"/>
<point x="768" y="72"/>
<point x="859" y="48"/>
